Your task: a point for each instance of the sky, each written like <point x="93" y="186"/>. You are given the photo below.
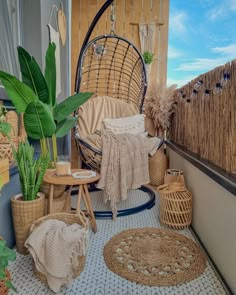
<point x="202" y="36"/>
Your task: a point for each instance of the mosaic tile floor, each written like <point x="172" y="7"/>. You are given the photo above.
<point x="96" y="279"/>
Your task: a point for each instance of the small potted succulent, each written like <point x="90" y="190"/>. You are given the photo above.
<point x="148" y="59"/>
<point x="28" y="206"/>
<point x="6" y="255"/>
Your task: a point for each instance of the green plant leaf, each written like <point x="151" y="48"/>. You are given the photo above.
<point x="69" y="105"/>
<point x="65" y="126"/>
<point x="32" y="75"/>
<point x="10" y="285"/>
<point x="38" y="120"/>
<point x="20" y="94"/>
<point x="2" y="274"/>
<point x="50" y="73"/>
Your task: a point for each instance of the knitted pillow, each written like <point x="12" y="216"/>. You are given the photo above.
<point x="133" y="124"/>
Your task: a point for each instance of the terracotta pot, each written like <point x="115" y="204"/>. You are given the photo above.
<point x="3" y="288"/>
<point x="24" y="214"/>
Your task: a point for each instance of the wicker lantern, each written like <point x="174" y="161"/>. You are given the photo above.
<point x="175" y="205"/>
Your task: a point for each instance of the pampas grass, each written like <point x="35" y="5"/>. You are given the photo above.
<point x="159" y="106"/>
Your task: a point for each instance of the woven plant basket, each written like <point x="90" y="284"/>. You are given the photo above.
<point x="174" y="175"/>
<point x="175" y="205"/>
<point x="158" y="164"/>
<point x="68" y="218"/>
<point x="58" y="190"/>
<point x="3" y="288"/>
<point x="24" y="214"/>
<point x="61" y="204"/>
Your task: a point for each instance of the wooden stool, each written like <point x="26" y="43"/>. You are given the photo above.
<point x="83" y="193"/>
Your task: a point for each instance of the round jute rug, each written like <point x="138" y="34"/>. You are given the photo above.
<point x="154" y="257"/>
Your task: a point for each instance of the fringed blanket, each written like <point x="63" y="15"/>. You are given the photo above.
<point x="55" y="247"/>
<point x="124" y="164"/>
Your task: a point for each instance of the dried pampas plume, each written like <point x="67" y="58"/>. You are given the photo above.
<point x="159" y="105"/>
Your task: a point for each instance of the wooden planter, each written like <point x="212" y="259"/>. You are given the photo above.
<point x="24" y="214"/>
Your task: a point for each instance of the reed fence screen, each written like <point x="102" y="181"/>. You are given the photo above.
<point x="205" y="118"/>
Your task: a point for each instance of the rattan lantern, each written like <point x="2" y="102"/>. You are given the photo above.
<point x="175" y="205"/>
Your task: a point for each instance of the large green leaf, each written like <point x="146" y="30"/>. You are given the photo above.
<point x="19" y="93"/>
<point x="38" y="120"/>
<point x="65" y="126"/>
<point x="69" y="105"/>
<point x="50" y="73"/>
<point x="32" y="75"/>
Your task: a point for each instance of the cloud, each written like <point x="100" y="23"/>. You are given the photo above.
<point x="178" y="22"/>
<point x="232" y="5"/>
<point x="204" y="64"/>
<point x="174" y="52"/>
<point x="222" y="10"/>
<point x="180" y="81"/>
<point x="201" y="64"/>
<point x="229" y="51"/>
<point x="217" y="12"/>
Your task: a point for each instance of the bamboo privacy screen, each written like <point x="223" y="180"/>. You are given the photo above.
<point x="207" y="124"/>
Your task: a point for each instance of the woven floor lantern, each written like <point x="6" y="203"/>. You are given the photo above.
<point x="175" y="205"/>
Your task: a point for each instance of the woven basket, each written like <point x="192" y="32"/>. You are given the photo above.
<point x="61" y="204"/>
<point x="68" y="218"/>
<point x="175" y="205"/>
<point x="58" y="190"/>
<point x="24" y="214"/>
<point x="174" y="175"/>
<point x="158" y="164"/>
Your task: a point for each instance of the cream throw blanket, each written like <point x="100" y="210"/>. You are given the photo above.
<point x="55" y="247"/>
<point x="124" y="164"/>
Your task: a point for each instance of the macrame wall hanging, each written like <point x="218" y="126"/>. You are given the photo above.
<point x="147" y="34"/>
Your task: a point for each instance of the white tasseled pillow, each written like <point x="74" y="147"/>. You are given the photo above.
<point x="133" y="124"/>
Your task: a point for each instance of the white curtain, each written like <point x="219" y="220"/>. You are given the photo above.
<point x="9" y="37"/>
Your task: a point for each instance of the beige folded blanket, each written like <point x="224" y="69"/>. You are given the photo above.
<point x="55" y="247"/>
<point x="124" y="164"/>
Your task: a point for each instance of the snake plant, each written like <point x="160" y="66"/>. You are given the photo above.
<point x="31" y="170"/>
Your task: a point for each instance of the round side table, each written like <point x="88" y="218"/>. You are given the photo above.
<point x="52" y="179"/>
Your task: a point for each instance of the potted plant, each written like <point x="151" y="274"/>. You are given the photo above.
<point x="35" y="96"/>
<point x="148" y="59"/>
<point x="6" y="255"/>
<point x="28" y="206"/>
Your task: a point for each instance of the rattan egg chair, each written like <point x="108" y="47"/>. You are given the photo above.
<point x="113" y="69"/>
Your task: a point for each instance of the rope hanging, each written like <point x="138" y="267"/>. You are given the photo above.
<point x="113" y="19"/>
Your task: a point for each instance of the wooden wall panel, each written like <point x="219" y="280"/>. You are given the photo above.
<point x="126" y="11"/>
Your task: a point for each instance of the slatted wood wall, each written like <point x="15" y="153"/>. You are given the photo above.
<point x="126" y="11"/>
<point x="207" y="126"/>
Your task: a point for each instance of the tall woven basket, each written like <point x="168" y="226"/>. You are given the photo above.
<point x="24" y="214"/>
<point x="175" y="205"/>
<point x="158" y="164"/>
<point x="68" y="218"/>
